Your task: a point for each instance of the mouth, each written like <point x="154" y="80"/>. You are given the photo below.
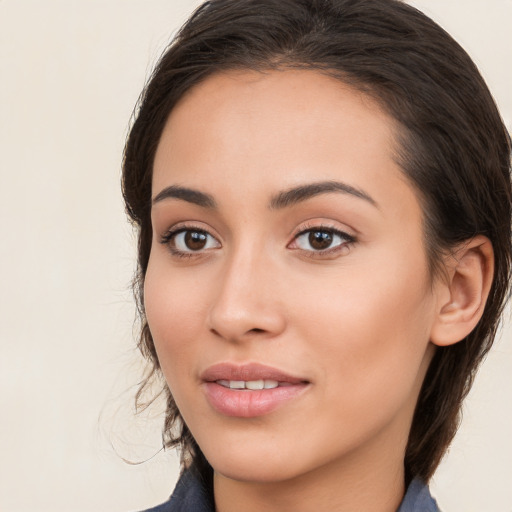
<point x="252" y="385"/>
<point x="249" y="390"/>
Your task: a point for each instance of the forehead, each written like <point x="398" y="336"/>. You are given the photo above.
<point x="294" y="104"/>
<point x="268" y="131"/>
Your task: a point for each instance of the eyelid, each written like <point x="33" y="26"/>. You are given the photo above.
<point x="171" y="233"/>
<point x="327" y="227"/>
<point x="189" y="226"/>
<point x="323" y="225"/>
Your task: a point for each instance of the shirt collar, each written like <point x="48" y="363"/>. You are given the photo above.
<point x="193" y="495"/>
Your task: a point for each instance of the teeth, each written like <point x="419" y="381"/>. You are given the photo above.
<point x="255" y="384"/>
<point x="249" y="384"/>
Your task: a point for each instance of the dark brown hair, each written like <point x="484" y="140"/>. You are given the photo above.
<point x="454" y="149"/>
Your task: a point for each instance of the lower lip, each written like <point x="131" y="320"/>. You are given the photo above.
<point x="250" y="403"/>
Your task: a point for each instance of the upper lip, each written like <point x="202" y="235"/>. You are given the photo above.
<point x="247" y="372"/>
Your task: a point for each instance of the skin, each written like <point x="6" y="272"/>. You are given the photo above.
<point x="355" y="322"/>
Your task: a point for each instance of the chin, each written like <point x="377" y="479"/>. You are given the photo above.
<point x="253" y="465"/>
<point x="246" y="472"/>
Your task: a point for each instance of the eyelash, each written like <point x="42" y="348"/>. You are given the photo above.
<point x="347" y="240"/>
<point x="169" y="239"/>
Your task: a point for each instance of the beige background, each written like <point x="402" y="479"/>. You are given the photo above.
<point x="71" y="72"/>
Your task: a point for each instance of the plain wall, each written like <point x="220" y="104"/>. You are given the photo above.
<point x="71" y="72"/>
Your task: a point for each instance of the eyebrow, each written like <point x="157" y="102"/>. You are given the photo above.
<point x="304" y="192"/>
<point x="186" y="194"/>
<point x="284" y="199"/>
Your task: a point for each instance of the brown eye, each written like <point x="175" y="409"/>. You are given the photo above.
<point x="195" y="240"/>
<point x="189" y="241"/>
<point x="320" y="240"/>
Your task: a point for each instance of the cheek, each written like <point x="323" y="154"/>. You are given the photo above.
<point x="371" y="332"/>
<point x="174" y="313"/>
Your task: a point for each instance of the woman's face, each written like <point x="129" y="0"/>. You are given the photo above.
<point x="288" y="251"/>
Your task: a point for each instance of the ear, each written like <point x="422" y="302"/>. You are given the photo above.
<point x="463" y="293"/>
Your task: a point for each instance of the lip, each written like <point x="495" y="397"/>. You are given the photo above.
<point x="246" y="403"/>
<point x="250" y="371"/>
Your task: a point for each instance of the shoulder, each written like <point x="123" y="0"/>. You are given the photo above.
<point x="418" y="499"/>
<point x="164" y="507"/>
<point x="190" y="495"/>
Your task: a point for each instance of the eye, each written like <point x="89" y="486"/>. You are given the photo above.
<point x="185" y="241"/>
<point x="321" y="240"/>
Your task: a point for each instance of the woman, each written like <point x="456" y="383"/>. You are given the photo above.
<point x="323" y="195"/>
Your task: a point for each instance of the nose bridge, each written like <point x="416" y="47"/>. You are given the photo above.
<point x="246" y="301"/>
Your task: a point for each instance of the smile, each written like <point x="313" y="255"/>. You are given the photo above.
<point x="251" y="384"/>
<point x="249" y="390"/>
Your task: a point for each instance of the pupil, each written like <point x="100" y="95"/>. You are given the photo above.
<point x="320" y="239"/>
<point x="195" y="240"/>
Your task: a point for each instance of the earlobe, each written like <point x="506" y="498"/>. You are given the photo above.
<point x="462" y="296"/>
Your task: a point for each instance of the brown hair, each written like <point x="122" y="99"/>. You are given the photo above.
<point x="453" y="148"/>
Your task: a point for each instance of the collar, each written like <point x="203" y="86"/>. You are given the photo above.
<point x="192" y="495"/>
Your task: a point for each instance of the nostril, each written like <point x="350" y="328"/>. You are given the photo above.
<point x="250" y="331"/>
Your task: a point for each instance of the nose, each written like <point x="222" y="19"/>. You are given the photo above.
<point x="247" y="304"/>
